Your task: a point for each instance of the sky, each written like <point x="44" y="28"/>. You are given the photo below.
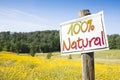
<point x="38" y="15"/>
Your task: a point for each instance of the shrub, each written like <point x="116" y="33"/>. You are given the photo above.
<point x="49" y="55"/>
<point x="32" y="52"/>
<point x="70" y="57"/>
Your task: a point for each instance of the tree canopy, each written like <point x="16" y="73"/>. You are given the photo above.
<point x="39" y="41"/>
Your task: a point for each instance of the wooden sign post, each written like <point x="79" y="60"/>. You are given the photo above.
<point x="84" y="35"/>
<point x="87" y="58"/>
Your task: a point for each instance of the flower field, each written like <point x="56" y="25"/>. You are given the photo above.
<point x="25" y="67"/>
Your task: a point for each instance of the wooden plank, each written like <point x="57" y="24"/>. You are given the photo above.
<point x="87" y="58"/>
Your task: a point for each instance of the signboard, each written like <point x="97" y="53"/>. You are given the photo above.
<point x="86" y="34"/>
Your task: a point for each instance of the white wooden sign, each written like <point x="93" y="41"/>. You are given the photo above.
<point x="86" y="34"/>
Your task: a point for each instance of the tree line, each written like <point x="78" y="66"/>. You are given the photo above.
<point x="31" y="42"/>
<point x="40" y="41"/>
<point x="114" y="41"/>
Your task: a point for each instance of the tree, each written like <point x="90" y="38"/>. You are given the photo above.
<point x="118" y="42"/>
<point x="113" y="41"/>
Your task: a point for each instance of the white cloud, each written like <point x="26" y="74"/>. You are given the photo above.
<point x="19" y="21"/>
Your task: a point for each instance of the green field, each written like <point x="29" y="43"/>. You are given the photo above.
<point x="108" y="54"/>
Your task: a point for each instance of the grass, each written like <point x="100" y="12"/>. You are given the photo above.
<point x="108" y="54"/>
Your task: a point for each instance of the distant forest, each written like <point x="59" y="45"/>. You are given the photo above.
<point x="40" y="41"/>
<point x="32" y="42"/>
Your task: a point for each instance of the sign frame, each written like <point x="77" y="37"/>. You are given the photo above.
<point x="78" y="20"/>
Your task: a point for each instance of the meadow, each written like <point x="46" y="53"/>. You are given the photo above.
<point x="25" y="67"/>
